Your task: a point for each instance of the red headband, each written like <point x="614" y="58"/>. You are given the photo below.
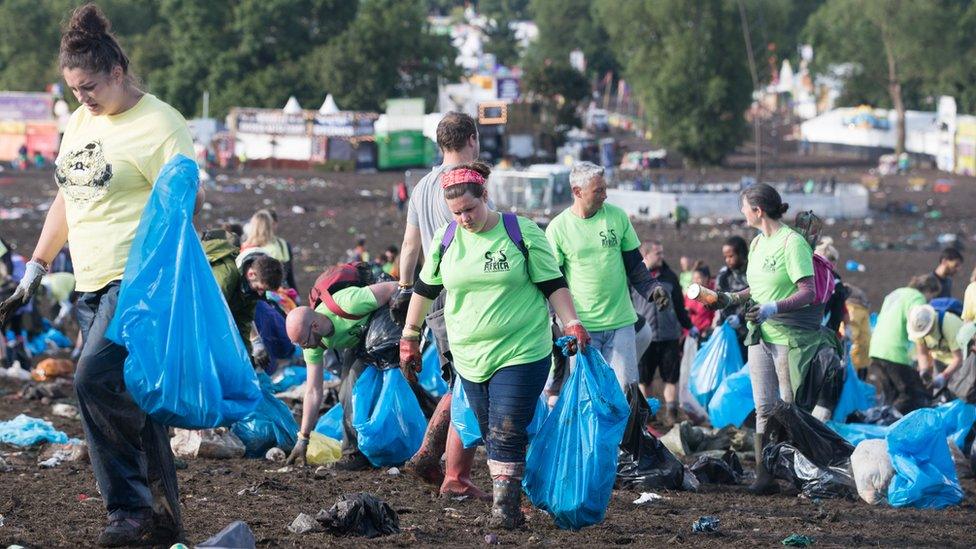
<point x="463" y="175"/>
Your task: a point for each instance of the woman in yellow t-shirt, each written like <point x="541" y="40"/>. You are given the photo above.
<point x="113" y="148"/>
<point x="498" y="272"/>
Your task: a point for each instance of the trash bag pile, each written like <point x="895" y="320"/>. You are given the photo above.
<point x="571" y="464"/>
<point x="187" y="366"/>
<point x="925" y="476"/>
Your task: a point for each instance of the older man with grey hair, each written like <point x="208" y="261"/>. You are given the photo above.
<point x="598" y="250"/>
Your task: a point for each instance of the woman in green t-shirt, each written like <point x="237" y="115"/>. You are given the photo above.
<point x="498" y="271"/>
<point x="780" y="275"/>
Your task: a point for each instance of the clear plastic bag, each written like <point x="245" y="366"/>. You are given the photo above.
<point x="187" y="366"/>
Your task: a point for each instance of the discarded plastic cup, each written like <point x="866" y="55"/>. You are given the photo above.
<point x="852" y="265"/>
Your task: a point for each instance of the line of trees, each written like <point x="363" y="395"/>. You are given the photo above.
<point x="685" y="60"/>
<point x="246" y="52"/>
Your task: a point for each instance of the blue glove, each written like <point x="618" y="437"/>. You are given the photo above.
<point x="938" y="382"/>
<point x="694" y="332"/>
<point x="734" y="322"/>
<point x="761" y="313"/>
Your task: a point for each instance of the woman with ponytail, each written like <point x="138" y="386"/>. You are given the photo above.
<point x="781" y="296"/>
<point x="113" y="149"/>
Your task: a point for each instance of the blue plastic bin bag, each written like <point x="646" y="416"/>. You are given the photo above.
<point x="291" y="376"/>
<point x="269" y="425"/>
<point x="387" y="417"/>
<point x="330" y="424"/>
<point x="957" y="418"/>
<point x="430" y="377"/>
<point x="732" y="402"/>
<point x="539" y="418"/>
<point x="857" y="432"/>
<point x="717" y="359"/>
<point x="39" y="343"/>
<point x="572" y="462"/>
<point x="654" y="404"/>
<point x="466" y="422"/>
<point x="187" y="366"/>
<point x="855" y="396"/>
<point x="925" y="476"/>
<point x="463" y="417"/>
<point x="27" y="431"/>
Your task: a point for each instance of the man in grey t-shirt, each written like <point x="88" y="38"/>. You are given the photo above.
<point x="457" y="136"/>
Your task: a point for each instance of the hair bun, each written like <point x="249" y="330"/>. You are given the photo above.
<point x="90" y="21"/>
<point x="784" y="208"/>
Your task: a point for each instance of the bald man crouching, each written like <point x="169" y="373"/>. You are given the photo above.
<point x="316" y="330"/>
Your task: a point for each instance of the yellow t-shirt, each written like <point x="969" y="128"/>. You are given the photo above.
<point x="105" y="171"/>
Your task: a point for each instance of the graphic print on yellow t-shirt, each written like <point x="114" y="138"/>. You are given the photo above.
<point x="83" y="174"/>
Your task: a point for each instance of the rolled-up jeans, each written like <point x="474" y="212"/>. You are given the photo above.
<point x="504" y="406"/>
<point x="130" y="452"/>
<point x="769" y="371"/>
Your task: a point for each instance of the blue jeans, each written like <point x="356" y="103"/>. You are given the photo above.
<point x="130" y="452"/>
<point x="504" y="406"/>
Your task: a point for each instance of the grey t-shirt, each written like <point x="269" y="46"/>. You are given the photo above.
<point x="427" y="209"/>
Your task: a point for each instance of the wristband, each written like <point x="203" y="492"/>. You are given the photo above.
<point x="572" y="323"/>
<point x="303" y="436"/>
<point x="405" y="285"/>
<point x="409" y="334"/>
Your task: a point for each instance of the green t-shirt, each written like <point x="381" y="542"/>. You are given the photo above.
<point x="348" y="333"/>
<point x="495" y="314"/>
<point x="890" y="338"/>
<point x="941" y="342"/>
<point x="775" y="265"/>
<point x="590" y="252"/>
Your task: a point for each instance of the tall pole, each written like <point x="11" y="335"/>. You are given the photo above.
<point x="206" y="104"/>
<point x="757" y="135"/>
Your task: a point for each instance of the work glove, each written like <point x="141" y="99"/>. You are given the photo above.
<point x="410" y="358"/>
<point x="33" y="273"/>
<point x="694" y="332"/>
<point x="260" y="356"/>
<point x="575" y="329"/>
<point x="939" y="382"/>
<point x="297" y="455"/>
<point x="660" y="298"/>
<point x="734" y="322"/>
<point x="399" y="304"/>
<point x="758" y="314"/>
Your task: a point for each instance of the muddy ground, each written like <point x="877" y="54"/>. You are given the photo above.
<point x="321" y="215"/>
<point x="60" y="508"/>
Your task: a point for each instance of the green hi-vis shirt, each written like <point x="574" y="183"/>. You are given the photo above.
<point x="495" y="314"/>
<point x="590" y="252"/>
<point x="775" y="265"/>
<point x="890" y="338"/>
<point x="348" y="333"/>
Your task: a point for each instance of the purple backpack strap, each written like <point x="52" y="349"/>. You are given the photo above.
<point x="511" y="223"/>
<point x="445" y="243"/>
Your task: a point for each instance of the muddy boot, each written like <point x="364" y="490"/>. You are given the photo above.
<point x="127" y="529"/>
<point x="457" y="480"/>
<point x="426" y="463"/>
<point x="506" y="507"/>
<point x="764" y="484"/>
